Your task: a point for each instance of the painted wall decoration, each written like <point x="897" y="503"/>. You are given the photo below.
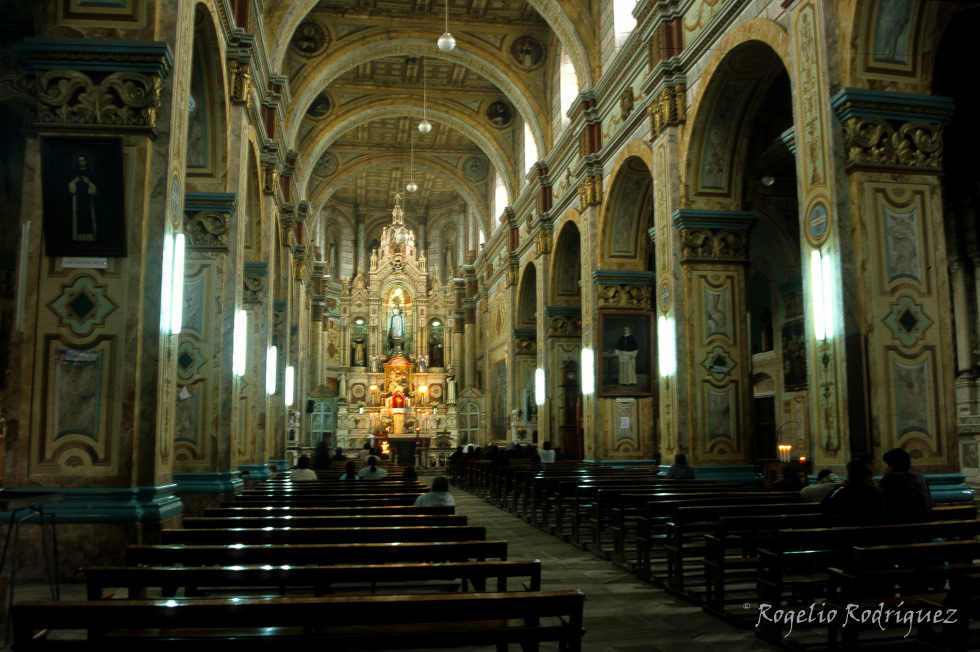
<point x="817" y="223"/>
<point x="913" y="399"/>
<point x="77" y="387"/>
<point x="626" y="418"/>
<point x="717" y="307"/>
<point x="500" y="114"/>
<point x="83" y="197"/>
<point x="624" y="239"/>
<point x="624" y="364"/>
<point x="310" y="38"/>
<point x="893" y="38"/>
<point x="794" y="355"/>
<point x="527" y="51"/>
<point x="720" y="417"/>
<point x="902" y="244"/>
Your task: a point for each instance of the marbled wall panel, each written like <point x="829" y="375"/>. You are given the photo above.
<point x="79" y="397"/>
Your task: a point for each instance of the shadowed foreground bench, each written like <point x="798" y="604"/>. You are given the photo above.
<point x="341" y="623"/>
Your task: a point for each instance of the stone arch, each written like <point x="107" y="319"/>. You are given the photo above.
<point x="206" y="155"/>
<point x="624" y="242"/>
<point x="566" y="273"/>
<point x="527" y="307"/>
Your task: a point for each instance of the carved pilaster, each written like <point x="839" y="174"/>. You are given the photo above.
<point x="623" y="296"/>
<point x="668" y="109"/>
<point x="207" y="230"/>
<point x="590" y="191"/>
<point x="253" y="286"/>
<point x="269" y="177"/>
<point x="239" y="81"/>
<point x="542" y="241"/>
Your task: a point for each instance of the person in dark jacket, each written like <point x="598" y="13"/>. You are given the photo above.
<point x="907" y="497"/>
<point x="792" y="480"/>
<point x="858" y="501"/>
<point x="680" y="469"/>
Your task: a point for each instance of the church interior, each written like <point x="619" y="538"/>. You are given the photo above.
<point x="232" y="229"/>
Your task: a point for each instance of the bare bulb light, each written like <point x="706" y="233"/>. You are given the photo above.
<point x="412" y="186"/>
<point x="446" y="42"/>
<point x="425" y="126"/>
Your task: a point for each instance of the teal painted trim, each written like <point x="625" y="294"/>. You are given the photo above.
<point x="256" y="268"/>
<point x="698" y="219"/>
<point x="646" y="278"/>
<point x="154" y="57"/>
<point x="218" y="482"/>
<point x="111" y="505"/>
<point x="279" y="306"/>
<point x="282" y="465"/>
<point x="557" y="311"/>
<point x="256" y="471"/>
<point x="862" y="103"/>
<point x="789" y="139"/>
<point x="218" y="202"/>
<point x="525" y="332"/>
<point x="944" y="487"/>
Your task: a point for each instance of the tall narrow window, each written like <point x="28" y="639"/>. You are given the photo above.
<point x="623" y="21"/>
<point x="568" y="81"/>
<point x="499" y="199"/>
<point x="530" y="149"/>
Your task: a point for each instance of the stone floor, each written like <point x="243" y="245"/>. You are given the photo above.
<point x="622" y="613"/>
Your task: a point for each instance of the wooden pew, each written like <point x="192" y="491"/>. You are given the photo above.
<point x="795" y="563"/>
<point x="318" y="554"/>
<point x="314" y="580"/>
<point x="684" y="546"/>
<point x="960" y="632"/>
<point x="898" y="577"/>
<point x="339" y="500"/>
<point x="339" y="510"/>
<point x="302" y="521"/>
<point x="651" y="527"/>
<point x="336" y="535"/>
<point x="347" y="622"/>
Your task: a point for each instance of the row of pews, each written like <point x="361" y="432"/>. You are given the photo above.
<point x="757" y="557"/>
<point x="354" y="565"/>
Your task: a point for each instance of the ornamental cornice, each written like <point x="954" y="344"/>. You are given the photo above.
<point x="623" y="296"/>
<point x="668" y="108"/>
<point x="879" y="142"/>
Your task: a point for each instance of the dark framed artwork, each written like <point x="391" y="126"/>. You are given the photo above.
<point x="794" y="356"/>
<point x="83" y="197"/>
<point x="624" y="362"/>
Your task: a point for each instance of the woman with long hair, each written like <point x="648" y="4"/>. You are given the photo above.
<point x="372" y="471"/>
<point x="858" y="501"/>
<point x="350" y="471"/>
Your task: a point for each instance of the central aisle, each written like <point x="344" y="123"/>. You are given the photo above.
<point x="621" y="612"/>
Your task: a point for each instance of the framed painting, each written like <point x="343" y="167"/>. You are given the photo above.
<point x="624" y="362"/>
<point x="794" y="356"/>
<point x="83" y="197"/>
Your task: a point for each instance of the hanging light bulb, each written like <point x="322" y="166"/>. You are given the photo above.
<point x="446" y="42"/>
<point x="425" y="126"/>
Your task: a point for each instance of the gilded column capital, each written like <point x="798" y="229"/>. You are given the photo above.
<point x="239" y="81"/>
<point x="892" y="130"/>
<point x="716" y="236"/>
<point x="107" y="84"/>
<point x="668" y="109"/>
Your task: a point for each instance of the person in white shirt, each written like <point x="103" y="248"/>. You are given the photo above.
<point x="827" y="482"/>
<point x="372" y="471"/>
<point x="547" y="454"/>
<point x="302" y="471"/>
<point x="437" y="495"/>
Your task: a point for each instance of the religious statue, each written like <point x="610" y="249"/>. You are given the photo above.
<point x="435" y="351"/>
<point x="342" y="389"/>
<point x="451" y="389"/>
<point x="396" y="330"/>
<point x="358" y="360"/>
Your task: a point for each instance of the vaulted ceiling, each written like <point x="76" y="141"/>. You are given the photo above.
<point x="364" y="73"/>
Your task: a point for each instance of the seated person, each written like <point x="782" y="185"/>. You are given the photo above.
<point x="680" y="469"/>
<point x="302" y="472"/>
<point x="372" y="471"/>
<point x="365" y="452"/>
<point x="858" y="501"/>
<point x="350" y="472"/>
<point x="437" y="495"/>
<point x="409" y="473"/>
<point x="339" y="455"/>
<point x="907" y="497"/>
<point x="546" y="453"/>
<point x="827" y="482"/>
<point x="792" y="479"/>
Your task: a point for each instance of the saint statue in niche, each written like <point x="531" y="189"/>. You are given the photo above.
<point x="396" y="330"/>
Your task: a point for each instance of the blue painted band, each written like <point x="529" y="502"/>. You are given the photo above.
<point x="110" y="505"/>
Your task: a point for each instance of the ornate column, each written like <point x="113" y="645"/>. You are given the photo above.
<point x="897" y="281"/>
<point x="961" y="317"/>
<point x="714" y="251"/>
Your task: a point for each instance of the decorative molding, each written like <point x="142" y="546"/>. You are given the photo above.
<point x="253" y="283"/>
<point x="207" y="230"/>
<point x="89" y="83"/>
<point x="876" y="142"/>
<point x="239" y="81"/>
<point x="623" y="296"/>
<point x="714" y="235"/>
<point x="269" y="177"/>
<point x="83" y="306"/>
<point x="668" y="109"/>
<point x="590" y="191"/>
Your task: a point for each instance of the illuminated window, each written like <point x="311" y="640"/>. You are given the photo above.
<point x="623" y="21"/>
<point x="530" y="149"/>
<point x="568" y="81"/>
<point x="499" y="199"/>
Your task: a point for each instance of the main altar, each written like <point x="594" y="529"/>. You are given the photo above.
<point x="396" y="388"/>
